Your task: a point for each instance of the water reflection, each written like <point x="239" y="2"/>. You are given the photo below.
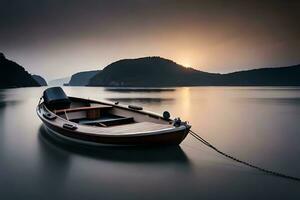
<point x="53" y="146"/>
<point x="54" y="163"/>
<point x="146" y="90"/>
<point x="287" y="101"/>
<point x="6" y="99"/>
<point x="141" y="100"/>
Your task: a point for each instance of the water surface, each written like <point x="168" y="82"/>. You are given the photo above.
<point x="260" y="124"/>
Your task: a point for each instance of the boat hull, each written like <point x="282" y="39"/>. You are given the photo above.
<point x="169" y="136"/>
<point x="166" y="138"/>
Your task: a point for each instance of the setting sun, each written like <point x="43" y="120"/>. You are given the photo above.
<point x="186" y="64"/>
<point x="185" y="61"/>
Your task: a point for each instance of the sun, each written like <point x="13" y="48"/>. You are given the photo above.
<point x="185" y="61"/>
<point x="186" y="64"/>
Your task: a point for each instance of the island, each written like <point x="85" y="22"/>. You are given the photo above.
<point x="161" y="72"/>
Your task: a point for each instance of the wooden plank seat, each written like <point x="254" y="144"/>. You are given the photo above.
<point x="87" y="108"/>
<point x="108" y="121"/>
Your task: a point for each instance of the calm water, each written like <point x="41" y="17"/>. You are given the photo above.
<point x="257" y="124"/>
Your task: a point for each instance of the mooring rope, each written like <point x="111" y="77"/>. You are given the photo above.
<point x="198" y="137"/>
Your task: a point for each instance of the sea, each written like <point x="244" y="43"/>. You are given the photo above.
<point x="260" y="125"/>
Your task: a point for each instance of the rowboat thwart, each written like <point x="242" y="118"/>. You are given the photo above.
<point x="101" y="123"/>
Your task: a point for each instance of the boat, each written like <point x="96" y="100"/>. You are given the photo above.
<point x="92" y="122"/>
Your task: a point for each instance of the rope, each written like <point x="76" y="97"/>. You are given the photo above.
<point x="195" y="135"/>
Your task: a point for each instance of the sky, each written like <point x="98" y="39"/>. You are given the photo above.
<point x="56" y="38"/>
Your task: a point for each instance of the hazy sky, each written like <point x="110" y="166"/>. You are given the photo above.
<point x="56" y="38"/>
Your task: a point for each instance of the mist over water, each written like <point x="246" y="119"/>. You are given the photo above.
<point x="258" y="124"/>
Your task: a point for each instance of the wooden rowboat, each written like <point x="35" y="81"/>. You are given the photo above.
<point x="101" y="123"/>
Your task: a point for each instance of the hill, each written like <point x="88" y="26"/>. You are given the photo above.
<point x="150" y="72"/>
<point x="280" y="76"/>
<point x="13" y="75"/>
<point x="160" y="72"/>
<point x="39" y="79"/>
<point x="82" y="78"/>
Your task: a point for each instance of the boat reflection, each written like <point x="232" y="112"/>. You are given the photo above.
<point x="168" y="154"/>
<point x="54" y="164"/>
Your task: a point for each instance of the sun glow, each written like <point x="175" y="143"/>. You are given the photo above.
<point x="186" y="59"/>
<point x="185" y="63"/>
<point x="186" y="98"/>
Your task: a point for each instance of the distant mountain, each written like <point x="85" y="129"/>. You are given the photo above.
<point x="39" y="79"/>
<point x="13" y="75"/>
<point x="150" y="72"/>
<point x="59" y="81"/>
<point x="160" y="72"/>
<point x="82" y="78"/>
<point x="279" y="76"/>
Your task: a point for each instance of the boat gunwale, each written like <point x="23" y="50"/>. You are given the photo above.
<point x="136" y="134"/>
<point x="124" y="107"/>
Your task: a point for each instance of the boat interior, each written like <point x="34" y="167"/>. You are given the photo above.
<point x="104" y="115"/>
<point x="91" y="115"/>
